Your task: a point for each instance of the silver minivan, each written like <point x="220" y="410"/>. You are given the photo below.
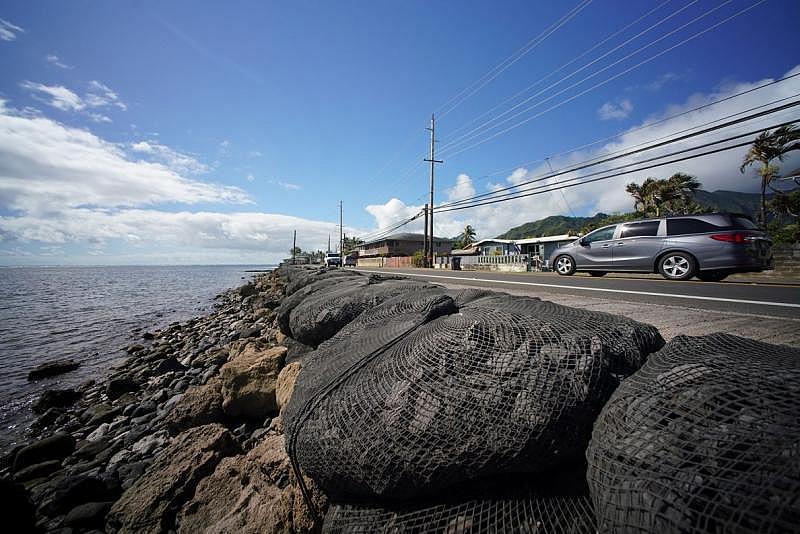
<point x="709" y="246"/>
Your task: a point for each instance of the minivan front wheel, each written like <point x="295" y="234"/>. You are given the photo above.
<point x="677" y="266"/>
<point x="565" y="266"/>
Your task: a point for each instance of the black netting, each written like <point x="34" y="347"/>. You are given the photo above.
<point x="705" y="437"/>
<point x="506" y="385"/>
<point x="303" y="277"/>
<point x="311" y="285"/>
<point x="323" y="313"/>
<point x="550" y="515"/>
<point x="558" y="504"/>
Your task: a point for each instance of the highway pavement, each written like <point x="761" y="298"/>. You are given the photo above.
<point x="759" y="298"/>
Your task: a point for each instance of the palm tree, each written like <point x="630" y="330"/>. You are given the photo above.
<point x="678" y="194"/>
<point x="767" y="147"/>
<point x="468" y="237"/>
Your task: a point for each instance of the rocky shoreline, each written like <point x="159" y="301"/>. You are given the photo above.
<point x="328" y="400"/>
<point x="186" y="432"/>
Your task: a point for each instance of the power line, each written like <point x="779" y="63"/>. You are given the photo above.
<point x="606" y="81"/>
<point x="481" y="82"/>
<point x="562" y="67"/>
<point x="572" y="182"/>
<point x="475" y="131"/>
<point x="652" y="124"/>
<point x="627" y="151"/>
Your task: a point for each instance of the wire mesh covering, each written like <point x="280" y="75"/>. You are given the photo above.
<point x="323" y="313"/>
<point x="704" y="438"/>
<point x="539" y="515"/>
<point x="505" y="385"/>
<point x="312" y="285"/>
<point x="298" y="277"/>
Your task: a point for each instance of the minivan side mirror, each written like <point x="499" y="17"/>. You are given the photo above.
<point x="582" y="242"/>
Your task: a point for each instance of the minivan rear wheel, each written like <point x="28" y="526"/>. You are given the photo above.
<point x="564" y="265"/>
<point x="677" y="266"/>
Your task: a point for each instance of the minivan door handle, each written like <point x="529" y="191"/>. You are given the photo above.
<point x="620" y="244"/>
<point x="605" y="246"/>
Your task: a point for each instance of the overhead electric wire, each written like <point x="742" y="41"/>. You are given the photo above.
<point x="484" y="126"/>
<point x="644" y="126"/>
<point x="388" y="230"/>
<point x="501" y="67"/>
<point x="604" y="82"/>
<point x="572" y="182"/>
<point x="626" y="151"/>
<point x="559" y="69"/>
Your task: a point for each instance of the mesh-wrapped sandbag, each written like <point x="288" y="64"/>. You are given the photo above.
<point x="309" y="277"/>
<point x="311" y="285"/>
<point x="705" y="437"/>
<point x="627" y="342"/>
<point x="542" y="515"/>
<point x="320" y="315"/>
<point x="499" y="387"/>
<point x="499" y="507"/>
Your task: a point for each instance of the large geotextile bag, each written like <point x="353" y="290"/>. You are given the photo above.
<point x="705" y="437"/>
<point x="308" y="276"/>
<point x="312" y="285"/>
<point x="506" y="385"/>
<point x="323" y="313"/>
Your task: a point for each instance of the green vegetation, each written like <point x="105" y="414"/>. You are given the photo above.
<point x="466" y="238"/>
<point x="674" y="195"/>
<point x="768" y="147"/>
<point x="553" y="225"/>
<point x="418" y="259"/>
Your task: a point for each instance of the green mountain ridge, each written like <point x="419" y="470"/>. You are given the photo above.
<point x="721" y="200"/>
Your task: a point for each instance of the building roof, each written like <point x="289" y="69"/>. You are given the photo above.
<point x="546" y="239"/>
<point x="484" y="241"/>
<point x="404" y="236"/>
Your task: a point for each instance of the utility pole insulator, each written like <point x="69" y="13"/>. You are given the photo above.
<point x="433" y="161"/>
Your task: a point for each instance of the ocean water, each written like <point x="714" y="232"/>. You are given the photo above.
<point x="89" y="314"/>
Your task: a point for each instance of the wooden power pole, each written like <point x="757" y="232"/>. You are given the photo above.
<point x="426" y="243"/>
<point x="341" y="237"/>
<point x="294" y="246"/>
<point x="433" y="161"/>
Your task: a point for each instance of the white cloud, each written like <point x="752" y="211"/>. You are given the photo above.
<point x="64" y="186"/>
<point x="250" y="177"/>
<point x="619" y="110"/>
<point x="100" y="95"/>
<point x="8" y="31"/>
<point x="255" y="154"/>
<point x="664" y="79"/>
<point x="58" y="96"/>
<point x="56" y="61"/>
<point x="288" y="186"/>
<point x="177" y="161"/>
<point x="715" y="172"/>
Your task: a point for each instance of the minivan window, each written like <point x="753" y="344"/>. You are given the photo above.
<point x="690" y="226"/>
<point x="647" y="228"/>
<point x="602" y="234"/>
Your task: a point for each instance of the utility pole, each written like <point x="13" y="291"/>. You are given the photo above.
<point x="427" y="241"/>
<point x="341" y="237"/>
<point x="329" y="243"/>
<point x="294" y="246"/>
<point x="433" y="161"/>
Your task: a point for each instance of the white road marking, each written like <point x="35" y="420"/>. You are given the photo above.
<point x="624" y="291"/>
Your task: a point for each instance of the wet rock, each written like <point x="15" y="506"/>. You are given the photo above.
<point x="200" y="405"/>
<point x="19" y="513"/>
<point x="144" y="408"/>
<point x="134" y="348"/>
<point x="168" y="365"/>
<point x="148" y="336"/>
<point x="78" y="490"/>
<point x="151" y="503"/>
<point x="253" y="331"/>
<point x="249" y="380"/>
<point x="248" y="290"/>
<point x="55" y="398"/>
<point x="37" y="470"/>
<point x="285" y="384"/>
<point x="99" y="414"/>
<point x="88" y="515"/>
<point x="118" y="386"/>
<point x="52" y="368"/>
<point x="89" y="449"/>
<point x="48" y="418"/>
<point x="56" y="447"/>
<point x="149" y="443"/>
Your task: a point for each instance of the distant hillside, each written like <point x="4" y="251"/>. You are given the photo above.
<point x="553" y="225"/>
<point x="734" y="201"/>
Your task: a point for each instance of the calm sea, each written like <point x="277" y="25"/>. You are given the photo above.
<point x="89" y="314"/>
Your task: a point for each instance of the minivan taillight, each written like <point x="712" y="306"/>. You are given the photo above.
<point x="733" y="237"/>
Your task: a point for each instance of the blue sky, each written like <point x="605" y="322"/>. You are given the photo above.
<point x="205" y="132"/>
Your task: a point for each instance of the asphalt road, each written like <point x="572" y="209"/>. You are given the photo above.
<point x="761" y="298"/>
